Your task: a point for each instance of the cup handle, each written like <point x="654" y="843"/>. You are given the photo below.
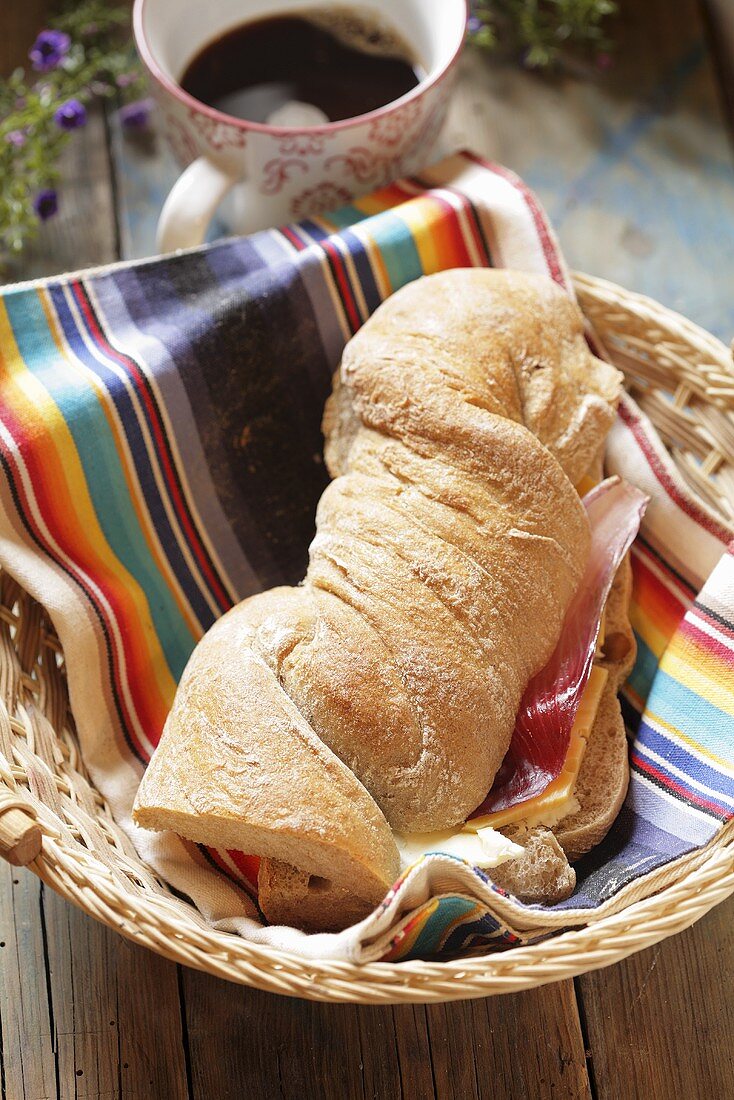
<point x="191" y="204"/>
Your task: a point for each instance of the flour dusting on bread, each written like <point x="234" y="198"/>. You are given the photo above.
<point x="380" y="695"/>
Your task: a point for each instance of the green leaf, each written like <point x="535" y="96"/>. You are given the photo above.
<point x="542" y="28"/>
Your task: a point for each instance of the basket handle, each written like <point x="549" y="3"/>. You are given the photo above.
<point x="20" y="833"/>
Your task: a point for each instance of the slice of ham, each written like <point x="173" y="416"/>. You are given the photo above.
<point x="548" y="708"/>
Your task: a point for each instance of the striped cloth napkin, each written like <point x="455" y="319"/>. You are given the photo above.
<point x="161" y="459"/>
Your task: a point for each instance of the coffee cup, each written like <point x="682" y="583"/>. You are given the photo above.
<point x="259" y="175"/>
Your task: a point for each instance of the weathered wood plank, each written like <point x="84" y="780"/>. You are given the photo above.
<point x="246" y="1043"/>
<point x="497" y="1048"/>
<point x="544" y="1026"/>
<point x="82" y="963"/>
<point x="83" y="233"/>
<point x="269" y="1047"/>
<point x="144" y="171"/>
<point x="239" y="1042"/>
<point x="661" y="1023"/>
<point x="28" y="1039"/>
<point x="633" y="165"/>
<point x="381" y="1067"/>
<point x="415" y="1055"/>
<point x="454" y="1054"/>
<point x="150" y="1025"/>
<point x="116" y="1011"/>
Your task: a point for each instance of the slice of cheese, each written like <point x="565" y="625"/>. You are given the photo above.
<point x="602" y="635"/>
<point x="586" y="484"/>
<point x="546" y="808"/>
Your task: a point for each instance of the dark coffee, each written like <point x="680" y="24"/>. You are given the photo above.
<point x="338" y="59"/>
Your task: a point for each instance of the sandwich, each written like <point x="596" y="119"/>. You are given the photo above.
<point x="445" y="677"/>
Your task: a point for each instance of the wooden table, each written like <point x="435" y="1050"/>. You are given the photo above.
<point x="636" y="169"/>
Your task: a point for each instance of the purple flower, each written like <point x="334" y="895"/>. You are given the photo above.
<point x="46" y="203"/>
<point x="134" y="116"/>
<point x="124" y="80"/>
<point x="71" y="115"/>
<point x="49" y="49"/>
<point x="16" y="138"/>
<point x="474" y="24"/>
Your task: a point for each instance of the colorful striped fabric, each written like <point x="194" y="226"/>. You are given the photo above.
<point x="161" y="459"/>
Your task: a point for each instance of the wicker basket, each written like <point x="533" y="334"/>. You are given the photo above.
<point x="53" y="820"/>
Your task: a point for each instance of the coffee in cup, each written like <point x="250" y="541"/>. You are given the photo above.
<point x="341" y="62"/>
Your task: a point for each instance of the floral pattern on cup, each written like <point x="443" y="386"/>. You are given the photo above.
<point x="390" y="129"/>
<point x="219" y="135"/>
<point x="304" y="143"/>
<point x="361" y="167"/>
<point x="427" y="133"/>
<point x="358" y="163"/>
<point x="320" y="199"/>
<point x="279" y="171"/>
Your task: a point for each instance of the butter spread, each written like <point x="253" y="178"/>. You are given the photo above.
<point x="484" y="848"/>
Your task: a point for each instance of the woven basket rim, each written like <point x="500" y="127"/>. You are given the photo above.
<point x="155" y="921"/>
<point x="567" y="954"/>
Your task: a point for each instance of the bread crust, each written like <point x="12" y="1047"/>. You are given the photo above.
<point x="383" y="691"/>
<point x="464" y="412"/>
<point x="238" y="767"/>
